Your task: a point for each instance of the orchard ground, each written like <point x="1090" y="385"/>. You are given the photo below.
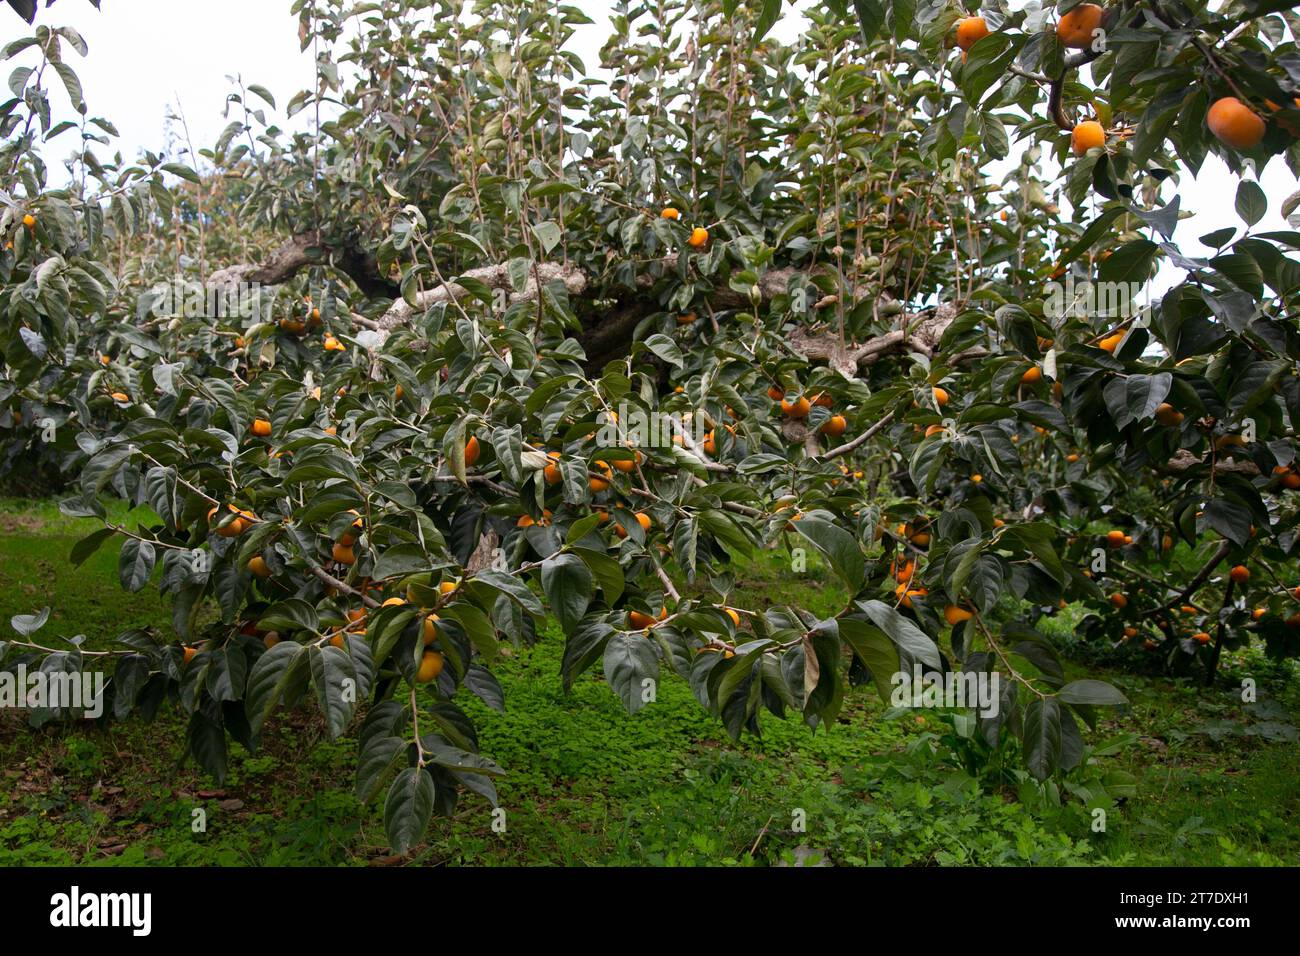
<point x="1218" y="780"/>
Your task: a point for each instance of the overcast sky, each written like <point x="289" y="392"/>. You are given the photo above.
<point x="148" y="56"/>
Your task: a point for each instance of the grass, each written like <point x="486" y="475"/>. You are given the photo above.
<point x="589" y="784"/>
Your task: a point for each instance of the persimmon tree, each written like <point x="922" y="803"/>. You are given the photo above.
<point x="483" y="335"/>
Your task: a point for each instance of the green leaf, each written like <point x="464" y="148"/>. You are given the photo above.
<point x="1251" y="202"/>
<point x="71" y="84"/>
<point x="29" y="624"/>
<point x="227" y="673"/>
<point x="607" y="572"/>
<point x="477" y="625"/>
<point x="581" y="648"/>
<point x="664" y="347"/>
<point x="88" y="545"/>
<point x="903" y="632"/>
<point x="630" y="659"/>
<point x="183" y="171"/>
<point x="401" y="560"/>
<point x="135" y="564"/>
<point x="871" y="17"/>
<point x="263" y="92"/>
<point x="294" y="614"/>
<point x="454" y="758"/>
<point x="1094" y="692"/>
<point x="378" y="757"/>
<point x="1230" y="519"/>
<point x="548" y="234"/>
<point x="567" y="583"/>
<point x="1042" y="737"/>
<point x="335" y="679"/>
<point x="270" y="676"/>
<point x="408" y="808"/>
<point x="1131" y="262"/>
<point x="767" y="16"/>
<point x="1135" y="398"/>
<point x="840" y="548"/>
<point x="206" y="742"/>
<point x="875" y="650"/>
<point x="986" y="62"/>
<point x="515" y="588"/>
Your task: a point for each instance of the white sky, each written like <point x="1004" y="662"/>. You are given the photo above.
<point x="148" y="55"/>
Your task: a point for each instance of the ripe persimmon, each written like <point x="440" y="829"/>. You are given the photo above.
<point x="430" y="667"/>
<point x="955" y="615"/>
<point x="629" y="464"/>
<point x="799" y="408"/>
<point x="640" y="621"/>
<point x="1168" y="416"/>
<point x="970" y="30"/>
<point x="1075" y="29"/>
<point x="600" y="482"/>
<point x="834" y="426"/>
<point x="551" y="474"/>
<point x="1234" y="123"/>
<point x="1087" y="135"/>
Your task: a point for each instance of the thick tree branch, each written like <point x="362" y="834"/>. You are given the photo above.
<point x="922" y="334"/>
<point x="495" y="277"/>
<point x="307" y="249"/>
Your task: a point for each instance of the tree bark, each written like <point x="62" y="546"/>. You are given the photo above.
<point x="307" y="249"/>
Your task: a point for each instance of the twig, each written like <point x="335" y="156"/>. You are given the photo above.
<point x="1220" y="553"/>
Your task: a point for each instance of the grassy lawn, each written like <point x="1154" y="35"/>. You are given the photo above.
<point x="588" y="784"/>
